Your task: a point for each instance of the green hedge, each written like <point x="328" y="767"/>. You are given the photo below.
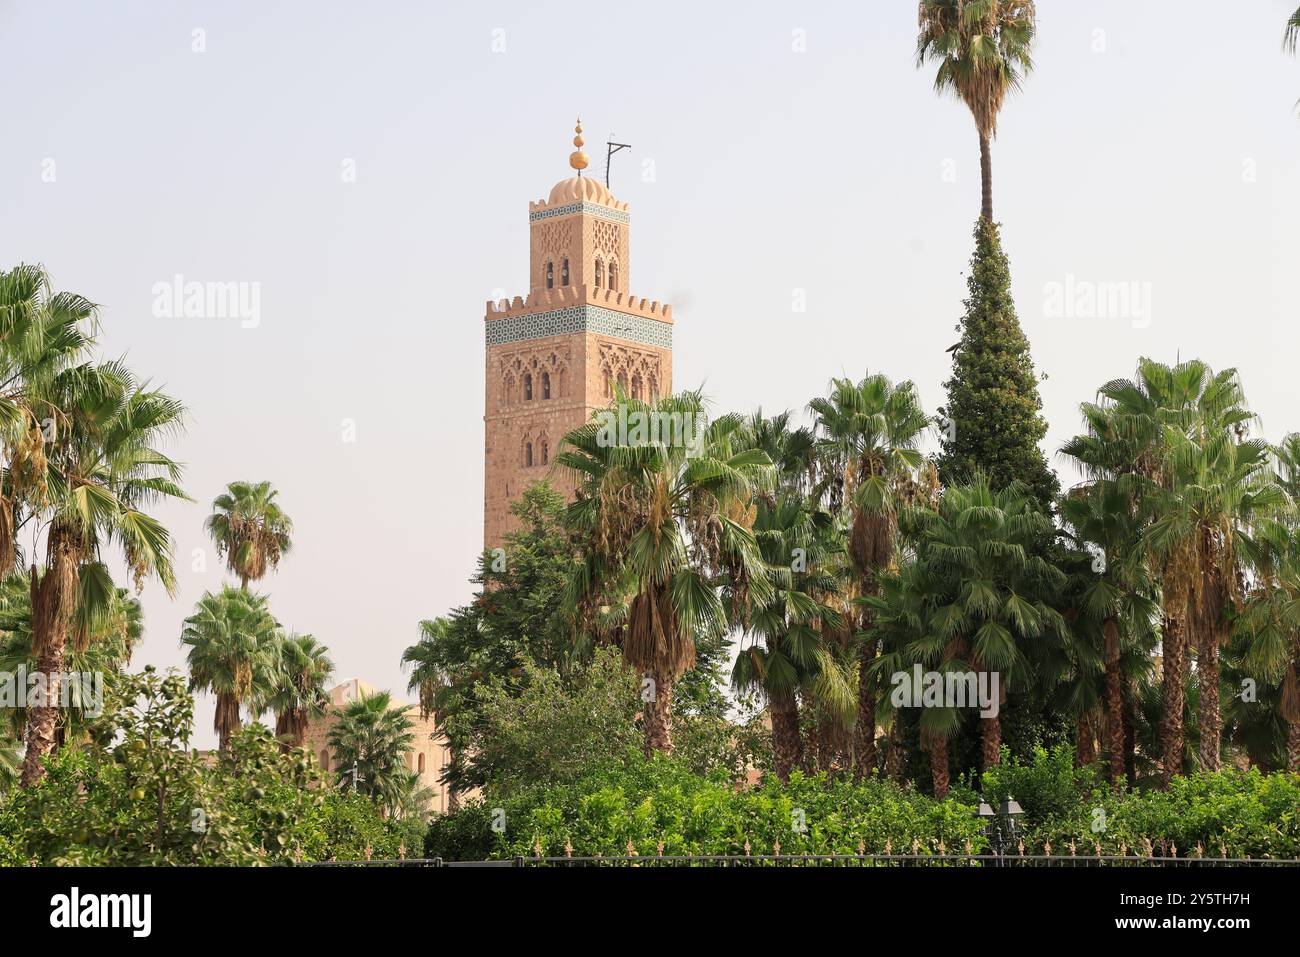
<point x="1245" y="813"/>
<point x="648" y="802"/>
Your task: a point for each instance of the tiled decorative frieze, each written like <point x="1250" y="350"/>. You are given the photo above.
<point x="593" y="209"/>
<point x="573" y="319"/>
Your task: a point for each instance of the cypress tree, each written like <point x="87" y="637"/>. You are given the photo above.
<point x="993" y="421"/>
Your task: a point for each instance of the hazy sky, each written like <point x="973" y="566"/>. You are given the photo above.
<point x="785" y="155"/>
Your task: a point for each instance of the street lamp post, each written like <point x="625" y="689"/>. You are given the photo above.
<point x="1002" y="827"/>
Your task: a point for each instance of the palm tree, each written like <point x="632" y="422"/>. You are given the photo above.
<point x="792" y="654"/>
<point x="301" y="691"/>
<point x="1218" y="495"/>
<point x="101" y="465"/>
<point x="1115" y="596"/>
<point x="1151" y="435"/>
<point x="902" y="612"/>
<point x="868" y="437"/>
<point x="982" y="49"/>
<point x="979" y="547"/>
<point x="42" y="333"/>
<point x="664" y="521"/>
<point x="250" y="529"/>
<point x="370" y="740"/>
<point x="1269" y="626"/>
<point x="233" y="643"/>
<point x="1292" y="31"/>
<point x="424" y="658"/>
<point x="107" y="625"/>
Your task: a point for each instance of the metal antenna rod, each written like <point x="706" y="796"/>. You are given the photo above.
<point x="610" y="149"/>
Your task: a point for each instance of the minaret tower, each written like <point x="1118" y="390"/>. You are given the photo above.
<point x="553" y="355"/>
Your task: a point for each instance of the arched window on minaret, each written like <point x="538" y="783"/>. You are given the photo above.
<point x="546" y="385"/>
<point x="600" y="273"/>
<point x="564" y="272"/>
<point x="528" y="454"/>
<point x="613" y="275"/>
<point x="546" y="452"/>
<point x="622" y="382"/>
<point x="528" y="386"/>
<point x="550" y="274"/>
<point x="636" y="387"/>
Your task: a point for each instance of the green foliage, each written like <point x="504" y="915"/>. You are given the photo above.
<point x="514" y="618"/>
<point x="1245" y="813"/>
<point x="1047" y="785"/>
<point x="541" y="729"/>
<point x="993" y="403"/>
<point x="648" y="801"/>
<point x="370" y="741"/>
<point x="148" y="800"/>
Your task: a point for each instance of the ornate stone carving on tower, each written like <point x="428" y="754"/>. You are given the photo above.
<point x="552" y="356"/>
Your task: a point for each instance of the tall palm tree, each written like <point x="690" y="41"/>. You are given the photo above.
<point x="42" y="333"/>
<point x="1292" y="31"/>
<point x="1138" y="434"/>
<point x="250" y="529"/>
<point x="370" y="740"/>
<point x="102" y="465"/>
<point x="869" y="434"/>
<point x="1219" y="493"/>
<point x="982" y="51"/>
<point x="664" y="521"/>
<point x="233" y="643"/>
<point x="1270" y="623"/>
<point x="301" y="691"/>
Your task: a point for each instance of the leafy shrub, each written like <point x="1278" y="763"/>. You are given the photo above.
<point x="1052" y="791"/>
<point x="660" y="800"/>
<point x="1242" y="813"/>
<point x="149" y="801"/>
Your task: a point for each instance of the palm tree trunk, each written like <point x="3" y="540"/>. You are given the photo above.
<point x="939" y="766"/>
<point x="896" y="756"/>
<point x="226" y="719"/>
<point x="1293" y="747"/>
<point x="787" y="745"/>
<point x="658" y="713"/>
<point x="1114" y="702"/>
<point x="1207" y="672"/>
<point x="986" y="179"/>
<point x="990" y="741"/>
<point x="864" y="731"/>
<point x="54" y="599"/>
<point x="1085" y="742"/>
<point x="43" y="719"/>
<point x="1173" y="664"/>
<point x="1130" y="732"/>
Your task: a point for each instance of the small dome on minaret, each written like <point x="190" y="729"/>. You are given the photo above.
<point x="580" y="189"/>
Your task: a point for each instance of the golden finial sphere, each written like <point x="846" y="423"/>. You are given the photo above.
<point x="578" y="159"/>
